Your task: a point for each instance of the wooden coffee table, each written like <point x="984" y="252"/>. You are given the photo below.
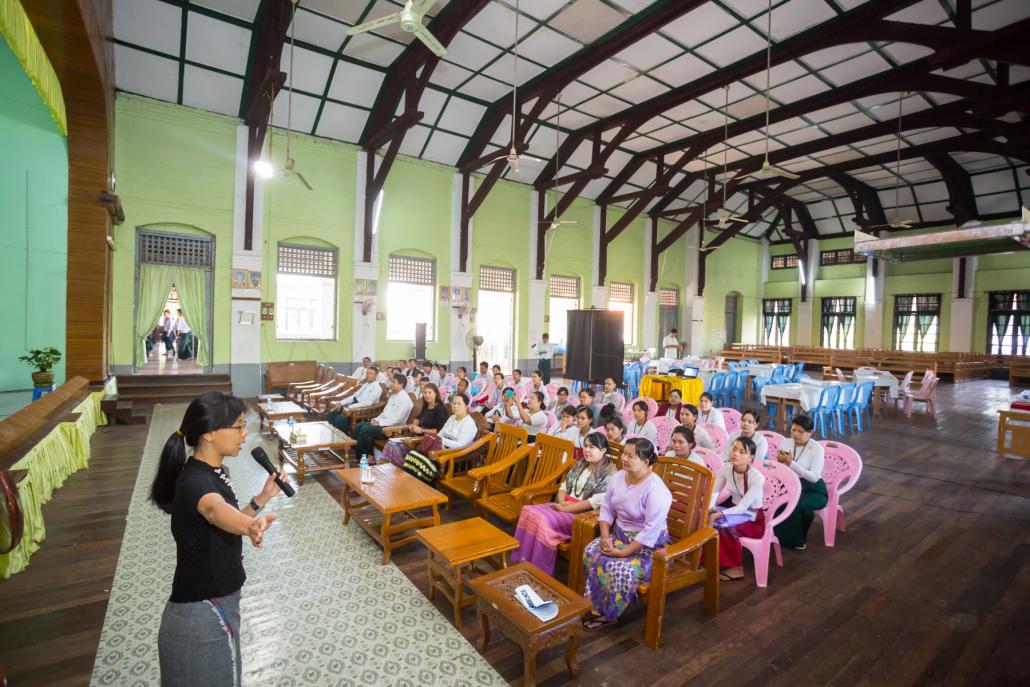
<point x="324" y="447"/>
<point x="495" y="600"/>
<point x="383" y="507"/>
<point x="276" y="411"/>
<point x="457" y="544"/>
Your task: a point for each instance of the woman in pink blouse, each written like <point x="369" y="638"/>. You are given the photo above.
<point x="633" y="524"/>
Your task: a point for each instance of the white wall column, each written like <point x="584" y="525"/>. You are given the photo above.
<point x="460" y="320"/>
<point x="693" y="305"/>
<point x="961" y="331"/>
<point x="873" y="337"/>
<point x="363" y="315"/>
<point x="537" y="295"/>
<point x="245" y="328"/>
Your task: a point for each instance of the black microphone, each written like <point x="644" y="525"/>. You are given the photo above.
<point x="262" y="459"/>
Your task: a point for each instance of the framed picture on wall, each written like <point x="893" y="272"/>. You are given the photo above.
<point x="240" y="279"/>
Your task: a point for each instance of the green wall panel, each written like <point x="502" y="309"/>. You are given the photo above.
<point x="734" y="267"/>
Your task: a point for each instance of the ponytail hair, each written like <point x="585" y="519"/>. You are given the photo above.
<point x="206" y="413"/>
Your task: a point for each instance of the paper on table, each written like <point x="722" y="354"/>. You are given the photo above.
<point x="543" y="610"/>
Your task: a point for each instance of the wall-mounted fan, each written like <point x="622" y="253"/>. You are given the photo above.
<point x="410" y="19"/>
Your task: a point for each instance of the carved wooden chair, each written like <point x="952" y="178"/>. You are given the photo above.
<point x="293" y="388"/>
<point x="538" y="471"/>
<point x="401" y="431"/>
<point x="302" y="396"/>
<point x="318" y="400"/>
<point x="677" y="565"/>
<point x="458" y="467"/>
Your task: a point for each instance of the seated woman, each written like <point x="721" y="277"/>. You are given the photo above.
<point x="604" y="413"/>
<point x="671" y="408"/>
<point x="633" y="524"/>
<point x="688" y="418"/>
<point x="745" y="485"/>
<point x="533" y="417"/>
<point x="640" y="424"/>
<point x="491" y="397"/>
<point x="565" y="426"/>
<point x="544" y="526"/>
<point x="805" y="456"/>
<point x="682" y="445"/>
<point x="616" y="430"/>
<point x="460" y="429"/>
<point x="561" y="401"/>
<point x="429" y="422"/>
<point x="749" y="429"/>
<point x="584" y="423"/>
<point x="708" y="413"/>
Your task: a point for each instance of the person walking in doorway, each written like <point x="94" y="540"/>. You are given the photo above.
<point x="185" y="336"/>
<point x="544" y="353"/>
<point x="168" y="333"/>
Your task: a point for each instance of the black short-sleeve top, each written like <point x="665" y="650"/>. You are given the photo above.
<point x="433" y="418"/>
<point x="209" y="560"/>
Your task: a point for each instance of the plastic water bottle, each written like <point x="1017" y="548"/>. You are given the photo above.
<point x="290" y="422"/>
<point x="365" y="471"/>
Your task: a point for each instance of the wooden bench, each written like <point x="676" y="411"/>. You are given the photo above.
<point x="1019" y="371"/>
<point x="279" y="375"/>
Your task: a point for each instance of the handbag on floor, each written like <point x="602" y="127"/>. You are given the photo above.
<point x="420" y="467"/>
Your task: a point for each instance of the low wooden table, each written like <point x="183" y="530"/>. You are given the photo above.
<point x="383" y="507"/>
<point x="457" y="544"/>
<point x="324" y="447"/>
<point x="276" y="411"/>
<point x="495" y="600"/>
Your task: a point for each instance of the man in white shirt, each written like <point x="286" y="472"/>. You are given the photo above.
<point x="544" y="352"/>
<point x="671" y="345"/>
<point x="367" y="394"/>
<point x="431" y="373"/>
<point x="396" y="412"/>
<point x="184" y="335"/>
<point x="359" y="373"/>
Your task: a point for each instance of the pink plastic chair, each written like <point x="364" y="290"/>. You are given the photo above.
<point x="782" y="492"/>
<point x="926" y="393"/>
<point x="773" y="439"/>
<point x="600" y="430"/>
<point x="904" y="388"/>
<point x="719" y="436"/>
<point x="665" y="425"/>
<point x="551" y="418"/>
<point x="731" y="417"/>
<point x="552" y="390"/>
<point x="620" y="404"/>
<point x="841" y="471"/>
<point x="450" y="380"/>
<point x="712" y="460"/>
<point x="484" y="395"/>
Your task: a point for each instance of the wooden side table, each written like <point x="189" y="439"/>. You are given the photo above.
<point x="275" y="411"/>
<point x="456" y="545"/>
<point x="324" y="447"/>
<point x="495" y="601"/>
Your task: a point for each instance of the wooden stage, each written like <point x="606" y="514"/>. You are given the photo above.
<point x="929" y="585"/>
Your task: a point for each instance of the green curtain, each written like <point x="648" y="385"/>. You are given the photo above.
<point x="1001" y="328"/>
<point x="901" y="326"/>
<point x="767" y="320"/>
<point x="155" y="281"/>
<point x="846" y="320"/>
<point x="191" y="284"/>
<point x="923" y="323"/>
<point x="781" y="325"/>
<point x="828" y="331"/>
<point x="1023" y="331"/>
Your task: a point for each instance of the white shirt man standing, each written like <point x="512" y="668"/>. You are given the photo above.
<point x="544" y="352"/>
<point x="671" y="345"/>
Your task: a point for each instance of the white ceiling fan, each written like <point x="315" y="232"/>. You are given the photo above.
<point x="769" y="171"/>
<point x="556" y="222"/>
<point x="410" y="19"/>
<point x="513" y="155"/>
<point x="725" y="216"/>
<point x="895" y="222"/>
<point x="290" y="167"/>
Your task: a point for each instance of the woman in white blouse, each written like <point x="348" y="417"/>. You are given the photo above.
<point x="708" y="413"/>
<point x="749" y="429"/>
<point x="565" y="426"/>
<point x="460" y="429"/>
<point x="688" y="418"/>
<point x="805" y="456"/>
<point x="534" y="419"/>
<point x="746" y="487"/>
<point x="584" y="421"/>
<point x="682" y="445"/>
<point x="640" y="425"/>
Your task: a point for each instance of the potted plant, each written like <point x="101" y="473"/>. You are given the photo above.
<point x="43" y="359"/>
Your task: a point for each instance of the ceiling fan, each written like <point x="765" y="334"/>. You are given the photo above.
<point x="513" y="155"/>
<point x="556" y="222"/>
<point x="725" y="216"/>
<point x="410" y="19"/>
<point x="769" y="171"/>
<point x="895" y="222"/>
<point x="290" y="167"/>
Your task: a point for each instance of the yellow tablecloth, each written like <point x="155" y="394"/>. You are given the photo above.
<point x="60" y="453"/>
<point x="659" y="386"/>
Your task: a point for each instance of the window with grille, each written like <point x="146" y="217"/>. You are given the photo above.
<point x="917" y="319"/>
<point x="410" y="297"/>
<point x="496" y="279"/>
<point x="668" y="297"/>
<point x="776" y="321"/>
<point x="842" y="256"/>
<point x="668" y="311"/>
<point x="838" y="322"/>
<point x="496" y="319"/>
<point x="1008" y="322"/>
<point x="564" y="296"/>
<point x="305" y="291"/>
<point x="782" y="262"/>
<point x="175" y="249"/>
<point x="620" y="297"/>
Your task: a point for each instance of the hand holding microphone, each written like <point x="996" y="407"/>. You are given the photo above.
<point x="280" y="476"/>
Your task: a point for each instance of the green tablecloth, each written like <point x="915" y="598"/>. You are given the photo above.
<point x="62" y="452"/>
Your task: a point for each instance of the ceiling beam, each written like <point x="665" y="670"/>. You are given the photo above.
<point x="961" y="199"/>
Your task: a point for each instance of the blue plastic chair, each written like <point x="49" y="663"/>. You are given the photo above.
<point x="716" y="385"/>
<point x="860" y="404"/>
<point x="842" y="411"/>
<point x="826" y="408"/>
<point x="798" y="369"/>
<point x="740" y="390"/>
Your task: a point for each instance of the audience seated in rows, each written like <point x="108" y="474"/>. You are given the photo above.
<point x="688" y="418"/>
<point x="805" y="457"/>
<point x="749" y="429"/>
<point x="641" y="425"/>
<point x="708" y="413"/>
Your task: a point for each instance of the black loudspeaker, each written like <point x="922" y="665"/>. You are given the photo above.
<point x="594" y="348"/>
<point x="420" y="340"/>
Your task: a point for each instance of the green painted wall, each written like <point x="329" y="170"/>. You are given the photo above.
<point x="626" y="265"/>
<point x="734" y="267"/>
<point x="570" y="248"/>
<point x="33" y="225"/>
<point x="996" y="273"/>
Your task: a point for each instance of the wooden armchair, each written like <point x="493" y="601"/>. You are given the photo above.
<point x="539" y="471"/>
<point x="303" y="395"/>
<point x="367" y="413"/>
<point x="318" y="400"/>
<point x="321" y="375"/>
<point x="677" y="565"/>
<point x="459" y="467"/>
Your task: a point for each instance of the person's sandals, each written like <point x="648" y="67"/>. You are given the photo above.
<point x="725" y="577"/>
<point x="596" y="623"/>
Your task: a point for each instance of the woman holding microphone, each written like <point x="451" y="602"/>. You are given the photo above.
<point x="199" y="639"/>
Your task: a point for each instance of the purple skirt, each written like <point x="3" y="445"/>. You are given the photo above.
<point x="612" y="583"/>
<point x="540" y="530"/>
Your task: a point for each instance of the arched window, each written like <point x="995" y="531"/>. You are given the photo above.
<point x="305" y="292"/>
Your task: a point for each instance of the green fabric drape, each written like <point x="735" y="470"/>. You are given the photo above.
<point x="767" y="320"/>
<point x="155" y="281"/>
<point x="846" y="321"/>
<point x="60" y="453"/>
<point x="923" y="322"/>
<point x="828" y="331"/>
<point x="1023" y="332"/>
<point x="1001" y="327"/>
<point x="191" y="285"/>
<point x="901" y="328"/>
<point x="16" y="30"/>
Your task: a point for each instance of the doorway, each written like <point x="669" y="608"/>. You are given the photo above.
<point x="173" y="303"/>
<point x="732" y="317"/>
<point x="496" y="316"/>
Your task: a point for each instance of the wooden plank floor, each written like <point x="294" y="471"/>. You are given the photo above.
<point x="929" y="585"/>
